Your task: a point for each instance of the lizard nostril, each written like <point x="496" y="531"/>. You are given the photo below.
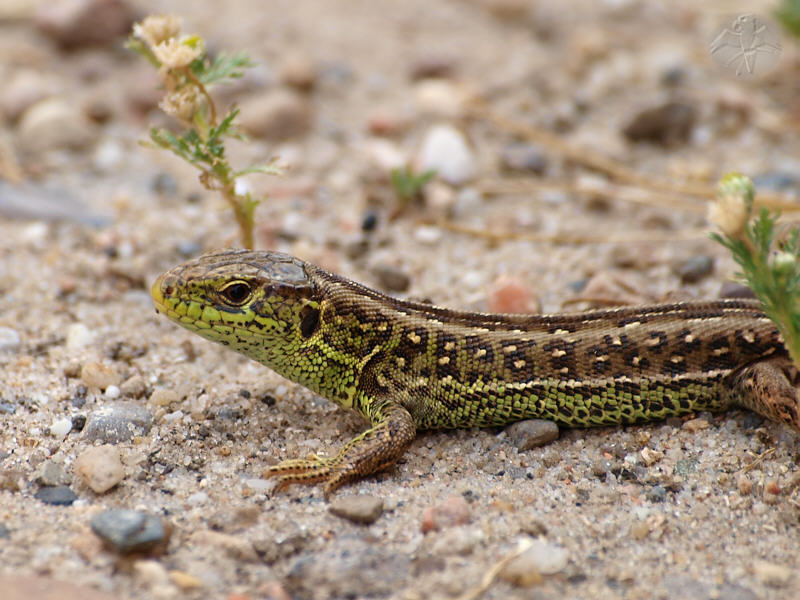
<point x="168" y="290"/>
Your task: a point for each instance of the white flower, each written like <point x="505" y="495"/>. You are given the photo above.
<point x="181" y="104"/>
<point x="157" y="29"/>
<point x="175" y="54"/>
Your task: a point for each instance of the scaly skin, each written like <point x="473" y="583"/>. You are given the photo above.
<point x="407" y="366"/>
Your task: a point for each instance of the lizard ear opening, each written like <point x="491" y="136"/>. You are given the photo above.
<point x="309" y="319"/>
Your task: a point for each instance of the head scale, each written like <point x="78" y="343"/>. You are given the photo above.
<point x="262" y="304"/>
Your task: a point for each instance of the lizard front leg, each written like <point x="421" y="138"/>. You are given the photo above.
<point x="377" y="448"/>
<point x="767" y="387"/>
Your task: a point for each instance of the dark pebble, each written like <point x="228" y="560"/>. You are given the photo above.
<point x="695" y="269"/>
<point x="669" y="124"/>
<point x="78" y="422"/>
<point x="734" y="289"/>
<point x="391" y="278"/>
<point x="268" y="399"/>
<point x="531" y="433"/>
<point x="129" y="530"/>
<point x="5" y="532"/>
<point x="229" y="413"/>
<point x="58" y="496"/>
<point x="244" y="393"/>
<point x="523" y="158"/>
<point x="370" y="222"/>
<point x="777" y="181"/>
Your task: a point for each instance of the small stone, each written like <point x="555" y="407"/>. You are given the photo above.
<point x="79" y="23"/>
<point x="734" y="289"/>
<point x="772" y="491"/>
<point x="299" y="71"/>
<point x="520" y="157"/>
<point x="9" y="339"/>
<point x="55" y="124"/>
<point x="129" y="531"/>
<point x="695" y="425"/>
<point x="25" y="88"/>
<point x="185" y="581"/>
<point x="391" y="278"/>
<point x="433" y="66"/>
<point x="78" y="336"/>
<point x="58" y="496"/>
<point x="540" y="559"/>
<point x="52" y="474"/>
<point x="695" y="269"/>
<point x="276" y="115"/>
<point x="640" y="530"/>
<point x="744" y="484"/>
<point x="117" y="422"/>
<point x="656" y="493"/>
<point x="531" y="433"/>
<point x="669" y="124"/>
<point x="650" y="456"/>
<point x="99" y="375"/>
<point x="112" y="392"/>
<point x="452" y="511"/>
<point x="440" y="98"/>
<point x="509" y="294"/>
<point x="61" y="427"/>
<point x="445" y="150"/>
<point x="427" y="234"/>
<point x="12" y="480"/>
<point x="5" y="532"/>
<point x="100" y="467"/>
<point x="133" y="387"/>
<point x="772" y="574"/>
<point x="360" y="508"/>
<point x="163" y="397"/>
<point x="151" y="573"/>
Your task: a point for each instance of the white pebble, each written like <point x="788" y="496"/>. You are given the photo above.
<point x="9" y="339"/>
<point x="175" y="416"/>
<point x="78" y="336"/>
<point x="445" y="150"/>
<point x="61" y="427"/>
<point x="197" y="498"/>
<point x="427" y="234"/>
<point x="100" y="467"/>
<point x="112" y="392"/>
<point x="258" y="485"/>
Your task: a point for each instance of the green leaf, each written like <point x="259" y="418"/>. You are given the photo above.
<point x="224" y="67"/>
<point x="268" y="169"/>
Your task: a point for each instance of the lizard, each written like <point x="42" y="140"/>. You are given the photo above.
<point x="410" y="366"/>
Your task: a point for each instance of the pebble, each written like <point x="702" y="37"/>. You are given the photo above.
<point x="531" y="433"/>
<point x="734" y="289"/>
<point x="129" y="531"/>
<point x="12" y="480"/>
<point x="440" y="98"/>
<point x="509" y="294"/>
<point x="669" y="124"/>
<point x="78" y="23"/>
<point x="133" y="387"/>
<point x="276" y="115"/>
<point x="695" y="425"/>
<point x="650" y="456"/>
<point x="361" y="508"/>
<point x="520" y="157"/>
<point x="99" y="375"/>
<point x="24" y="89"/>
<point x="9" y="339"/>
<point x="541" y="558"/>
<point x="772" y="491"/>
<point x="59" y="496"/>
<point x="5" y="532"/>
<point x="117" y="422"/>
<point x="36" y="587"/>
<point x="427" y="234"/>
<point x="446" y="151"/>
<point x="348" y="568"/>
<point x="640" y="530"/>
<point x="112" y="392"/>
<point x="694" y="269"/>
<point x="656" y="493"/>
<point x="55" y="124"/>
<point x="61" y="427"/>
<point x="151" y="573"/>
<point x="185" y="581"/>
<point x="391" y="278"/>
<point x="452" y="511"/>
<point x="433" y="66"/>
<point x="772" y="574"/>
<point x="52" y="474"/>
<point x="163" y="397"/>
<point x="282" y="544"/>
<point x="100" y="467"/>
<point x="78" y="336"/>
<point x="299" y="72"/>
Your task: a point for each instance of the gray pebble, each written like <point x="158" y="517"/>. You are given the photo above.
<point x="8" y="408"/>
<point x="9" y="339"/>
<point x="52" y="474"/>
<point x="541" y="558"/>
<point x="118" y="422"/>
<point x="657" y="493"/>
<point x="5" y="532"/>
<point x="695" y="269"/>
<point x="58" y="496"/>
<point x="532" y="433"/>
<point x="669" y="124"/>
<point x="348" y="567"/>
<point x="361" y="508"/>
<point x="129" y="530"/>
<point x="133" y="387"/>
<point x="391" y="278"/>
<point x="734" y="289"/>
<point x="523" y="158"/>
<point x="277" y="115"/>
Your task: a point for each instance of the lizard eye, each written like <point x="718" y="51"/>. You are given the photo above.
<point x="236" y="292"/>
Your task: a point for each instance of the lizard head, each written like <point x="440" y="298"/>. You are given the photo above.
<point x="262" y="304"/>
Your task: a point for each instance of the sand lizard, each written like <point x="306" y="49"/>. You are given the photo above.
<point x="409" y="366"/>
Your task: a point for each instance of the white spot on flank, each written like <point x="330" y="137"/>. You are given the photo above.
<point x="509" y="349"/>
<point x="749" y="336"/>
<point x="676" y="359"/>
<point x="449" y="346"/>
<point x="720" y="351"/>
<point x="689" y="338"/>
<point x="558" y="352"/>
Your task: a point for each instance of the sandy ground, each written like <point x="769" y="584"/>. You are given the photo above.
<point x="704" y="509"/>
